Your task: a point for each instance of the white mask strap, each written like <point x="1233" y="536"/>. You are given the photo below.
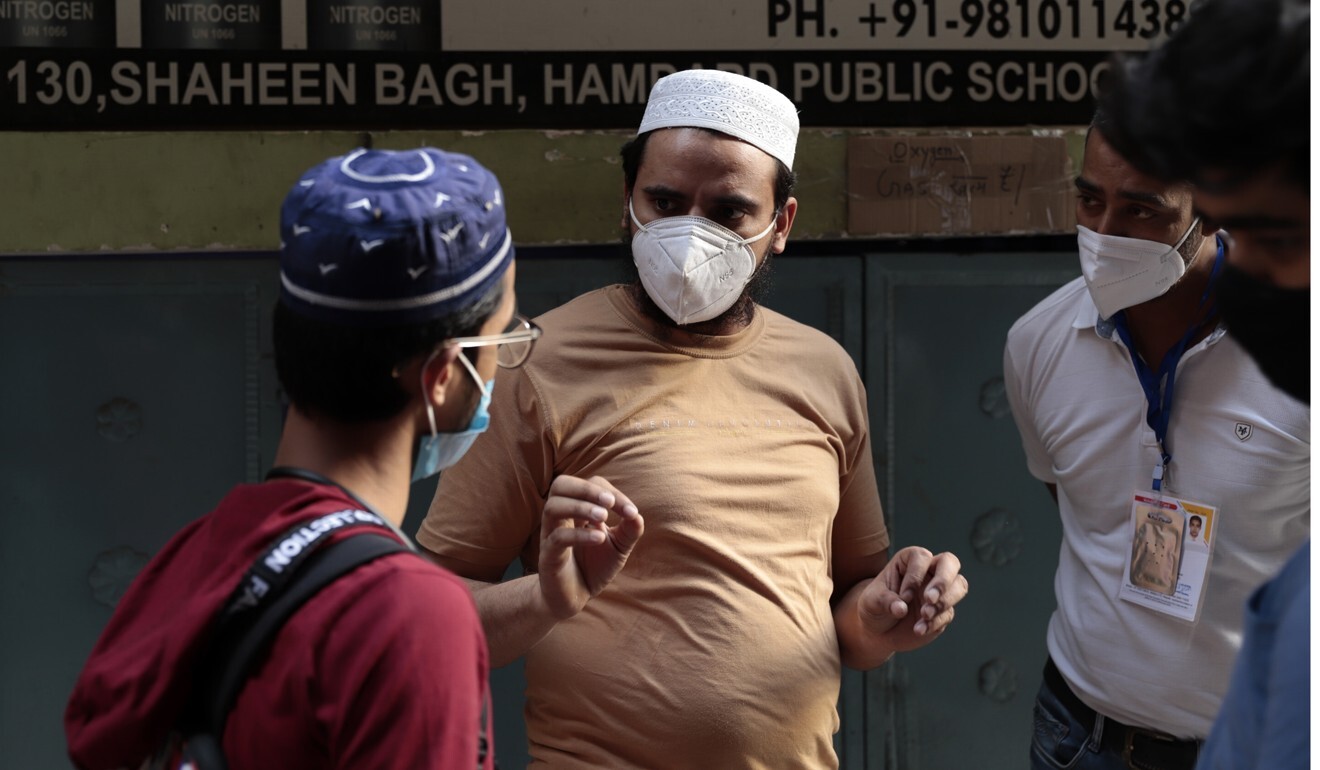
<point x="741" y="241"/>
<point x="764" y="233"/>
<point x="472" y="370"/>
<point x="426" y="396"/>
<point x="633" y="214"/>
<point x="1186" y="235"/>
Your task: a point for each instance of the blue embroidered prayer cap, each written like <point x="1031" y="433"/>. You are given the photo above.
<point x="387" y="237"/>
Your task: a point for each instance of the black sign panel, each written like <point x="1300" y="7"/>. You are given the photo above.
<point x="130" y="89"/>
<point x="570" y="64"/>
<point x="218" y="24"/>
<point x="57" y="23"/>
<point x="372" y="25"/>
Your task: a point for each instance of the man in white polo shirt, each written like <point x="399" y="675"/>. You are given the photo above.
<point x="1140" y="414"/>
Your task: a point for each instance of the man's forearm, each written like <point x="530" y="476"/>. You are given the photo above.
<point x="513" y="615"/>
<point x="857" y="649"/>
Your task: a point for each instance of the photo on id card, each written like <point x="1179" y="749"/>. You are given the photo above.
<point x="1157" y="547"/>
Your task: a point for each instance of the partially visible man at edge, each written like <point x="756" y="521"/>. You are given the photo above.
<point x="1248" y="152"/>
<point x="714" y="641"/>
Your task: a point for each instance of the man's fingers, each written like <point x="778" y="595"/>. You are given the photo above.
<point x="957" y="590"/>
<point x="568" y="537"/>
<point x="935" y="603"/>
<point x="594" y="491"/>
<point x="880" y="609"/>
<point x="937" y="612"/>
<point x="577" y="511"/>
<point x="563" y="511"/>
<point x="944" y="577"/>
<point x="936" y="625"/>
<point x="914" y="561"/>
<point x="619" y="502"/>
<point x="627" y="532"/>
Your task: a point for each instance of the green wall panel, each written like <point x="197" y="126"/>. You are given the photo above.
<point x="164" y="191"/>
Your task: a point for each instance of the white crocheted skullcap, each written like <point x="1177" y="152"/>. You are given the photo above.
<point x="731" y="104"/>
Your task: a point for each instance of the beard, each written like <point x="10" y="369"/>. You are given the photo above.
<point x="739" y="314"/>
<point x="1191" y="247"/>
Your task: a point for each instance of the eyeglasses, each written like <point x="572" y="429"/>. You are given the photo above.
<point x="515" y="343"/>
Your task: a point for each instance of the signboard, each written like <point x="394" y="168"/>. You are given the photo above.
<point x="372" y="25"/>
<point x="238" y="25"/>
<point x="959" y="185"/>
<point x="562" y="64"/>
<point x="57" y="23"/>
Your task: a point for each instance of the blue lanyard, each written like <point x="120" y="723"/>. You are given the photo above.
<point x="1159" y="400"/>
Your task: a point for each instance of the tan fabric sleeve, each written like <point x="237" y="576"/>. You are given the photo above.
<point x="487" y="508"/>
<point x="859" y="525"/>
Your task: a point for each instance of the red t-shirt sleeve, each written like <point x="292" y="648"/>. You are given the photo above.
<point x="402" y="671"/>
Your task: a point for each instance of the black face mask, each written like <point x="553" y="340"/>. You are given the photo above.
<point x="1273" y="325"/>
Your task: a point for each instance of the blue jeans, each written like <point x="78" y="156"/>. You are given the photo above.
<point x="1059" y="742"/>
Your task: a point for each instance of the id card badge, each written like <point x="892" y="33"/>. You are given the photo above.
<point x="1169" y="560"/>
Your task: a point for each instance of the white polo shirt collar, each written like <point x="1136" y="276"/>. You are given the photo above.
<point x="1088" y="317"/>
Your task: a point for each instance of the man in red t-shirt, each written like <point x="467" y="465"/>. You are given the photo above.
<point x="395" y="312"/>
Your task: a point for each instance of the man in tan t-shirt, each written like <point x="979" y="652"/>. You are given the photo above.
<point x="715" y="640"/>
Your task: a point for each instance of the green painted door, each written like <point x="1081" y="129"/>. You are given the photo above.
<point x="135" y="393"/>
<point x="955" y="479"/>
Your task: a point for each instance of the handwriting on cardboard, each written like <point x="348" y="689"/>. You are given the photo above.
<point x="959" y="185"/>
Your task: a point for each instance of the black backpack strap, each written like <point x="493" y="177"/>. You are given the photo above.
<point x="242" y="642"/>
<point x="324" y="568"/>
<point x="280" y="562"/>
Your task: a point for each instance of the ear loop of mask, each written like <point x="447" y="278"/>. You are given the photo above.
<point x="1195" y="221"/>
<point x="430" y="410"/>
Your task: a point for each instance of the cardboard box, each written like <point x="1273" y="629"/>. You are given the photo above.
<point x="959" y="185"/>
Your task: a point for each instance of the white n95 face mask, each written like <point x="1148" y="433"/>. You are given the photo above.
<point x="691" y="267"/>
<point x="1122" y="272"/>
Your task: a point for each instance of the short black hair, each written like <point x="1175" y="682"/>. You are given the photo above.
<point x="634" y="151"/>
<point x="346" y="372"/>
<point x="1228" y="93"/>
<point x="1194" y="518"/>
<point x="1101" y="121"/>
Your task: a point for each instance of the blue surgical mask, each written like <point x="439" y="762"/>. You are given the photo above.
<point x="441" y="450"/>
